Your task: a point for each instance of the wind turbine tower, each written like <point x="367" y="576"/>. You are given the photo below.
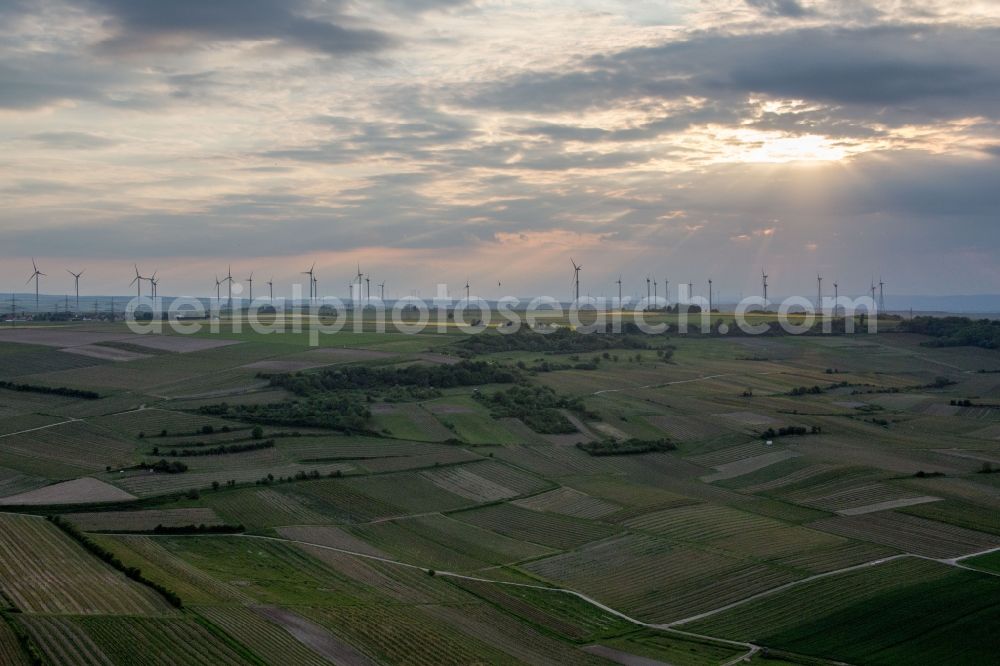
<point x="381" y="293"/>
<point x="576" y="280"/>
<point x="137" y="281"/>
<point x="836" y="297"/>
<point x="76" y="280"/>
<point x="34" y="276"/>
<point x="819" y="293"/>
<point x="310" y="274"/>
<point x="250" y="281"/>
<point x="710" y="296"/>
<point x="763" y="277"/>
<point x="270" y="288"/>
<point x="619" y="292"/>
<point x="881" y="295"/>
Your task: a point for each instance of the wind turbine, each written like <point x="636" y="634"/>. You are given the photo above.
<point x="229" y="281"/>
<point x="576" y="279"/>
<point x="250" y="280"/>
<point x="836" y="297"/>
<point x="137" y="281"/>
<point x="710" y="295"/>
<point x="763" y="277"/>
<point x="819" y="292"/>
<point x="76" y="279"/>
<point x="381" y="287"/>
<point x="467" y="290"/>
<point x="152" y="285"/>
<point x="656" y="296"/>
<point x="368" y="288"/>
<point x="34" y="276"/>
<point x="619" y="283"/>
<point x="873" y="291"/>
<point x="666" y="292"/>
<point x="881" y="295"/>
<point x="270" y="287"/>
<point x="310" y="274"/>
<point x="360" y="277"/>
<point x="647" y="288"/>
<point x="218" y="289"/>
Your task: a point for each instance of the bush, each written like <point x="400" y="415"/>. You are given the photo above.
<point x="164" y="467"/>
<point x="537" y="406"/>
<point x="50" y="390"/>
<point x="627" y="447"/>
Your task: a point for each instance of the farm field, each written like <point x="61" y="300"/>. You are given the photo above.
<point x="44" y="571"/>
<point x="256" y="527"/>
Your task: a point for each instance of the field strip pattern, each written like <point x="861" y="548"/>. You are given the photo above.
<point x="43" y="571"/>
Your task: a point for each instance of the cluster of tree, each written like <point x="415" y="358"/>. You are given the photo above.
<point x="109" y="558"/>
<point x="955" y="331"/>
<point x="790" y="431"/>
<point x="199" y="529"/>
<point x="301" y="475"/>
<point x="256" y="435"/>
<point x="556" y="341"/>
<point x="816" y="390"/>
<point x="627" y="447"/>
<point x="988" y="468"/>
<point x="206" y="429"/>
<point x="537" y="406"/>
<point x="51" y="390"/>
<point x="163" y="467"/>
<point x="330" y="411"/>
<point x="220" y="450"/>
<point x="928" y="475"/>
<point x="363" y="377"/>
<point x="961" y="403"/>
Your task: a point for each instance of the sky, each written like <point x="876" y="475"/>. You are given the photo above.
<point x="439" y="141"/>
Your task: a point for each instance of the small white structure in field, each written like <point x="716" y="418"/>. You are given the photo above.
<point x="770" y="442"/>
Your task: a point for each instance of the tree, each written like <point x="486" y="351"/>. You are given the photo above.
<point x="257" y="432"/>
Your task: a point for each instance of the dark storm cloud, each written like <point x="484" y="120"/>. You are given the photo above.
<point x="923" y="72"/>
<point x="145" y="25"/>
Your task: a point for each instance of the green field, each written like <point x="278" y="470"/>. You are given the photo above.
<point x="422" y="533"/>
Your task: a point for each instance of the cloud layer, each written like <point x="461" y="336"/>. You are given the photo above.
<point x="431" y="139"/>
